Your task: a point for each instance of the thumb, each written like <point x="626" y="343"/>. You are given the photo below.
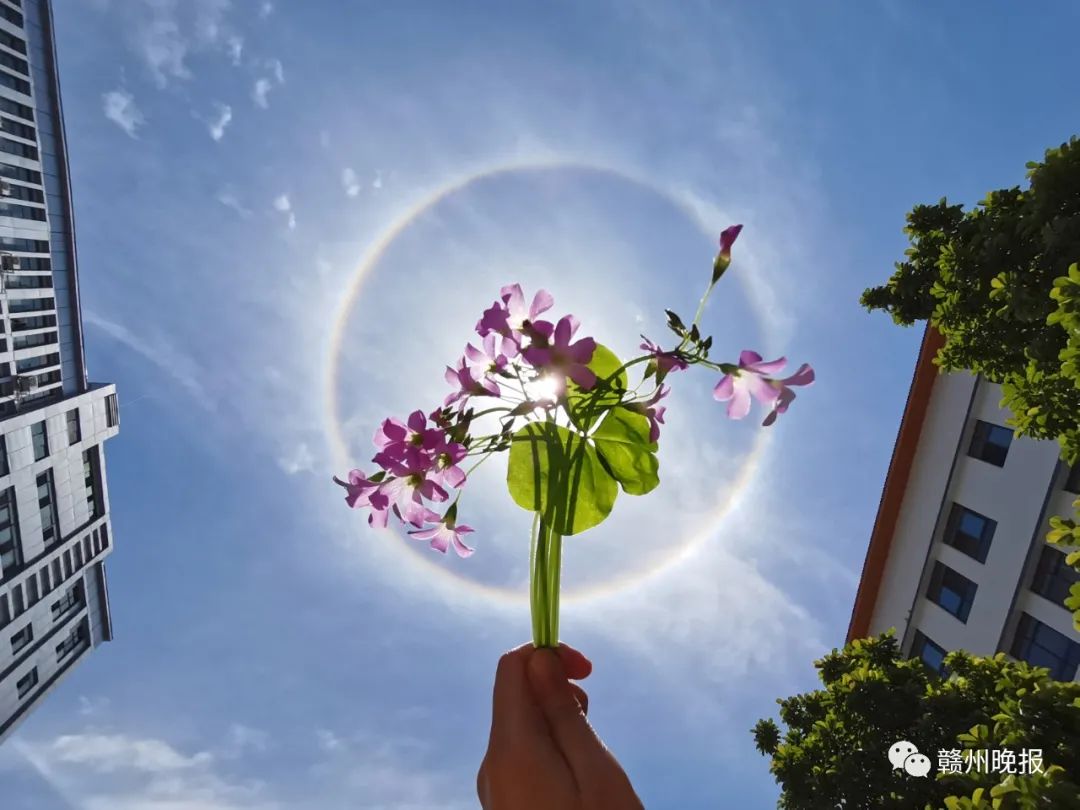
<point x="571" y="731"/>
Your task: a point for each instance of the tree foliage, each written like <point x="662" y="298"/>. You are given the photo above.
<point x="1000" y="284"/>
<point x="832" y="752"/>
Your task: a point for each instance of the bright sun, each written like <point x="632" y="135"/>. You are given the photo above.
<point x="545" y="388"/>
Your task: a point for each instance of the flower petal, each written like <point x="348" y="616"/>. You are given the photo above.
<point x="804" y="376"/>
<point x="770" y="368"/>
<point x="725" y="389"/>
<point x="747" y="357"/>
<point x="739" y="406"/>
<point x="761" y="389"/>
<point x="583" y="376"/>
<point x="542" y="302"/>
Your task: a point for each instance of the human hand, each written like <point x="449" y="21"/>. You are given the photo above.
<point x="542" y="753"/>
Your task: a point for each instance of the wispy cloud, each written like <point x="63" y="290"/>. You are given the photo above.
<point x="265" y="10"/>
<point x="299" y="460"/>
<point x="160" y="352"/>
<point x="92" y="707"/>
<point x="350" y="182"/>
<point x="218" y="123"/>
<point x="377" y="182"/>
<point x="244" y="739"/>
<point x="107" y="753"/>
<point x="283" y="204"/>
<point x="121" y="109"/>
<point x="228" y="197"/>
<point x="234" y="46"/>
<point x="260" y="92"/>
<point x="278" y="69"/>
<point x="164" y="34"/>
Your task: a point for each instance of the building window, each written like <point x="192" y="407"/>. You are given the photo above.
<point x="1053" y="578"/>
<point x="40" y="437"/>
<point x="73" y="427"/>
<point x="952" y="591"/>
<point x="13" y="42"/>
<point x="26" y="683"/>
<point x="10" y="547"/>
<point x="1043" y="646"/>
<point x="16" y="148"/>
<point x="1072" y="483"/>
<point x="14" y="63"/>
<point x="72" y="600"/>
<point x="47" y="505"/>
<point x="931" y="654"/>
<point x="90" y="478"/>
<point x="969" y="532"/>
<point x="74" y="638"/>
<point x="990" y="443"/>
<point x="112" y="414"/>
<point x="12" y="16"/>
<point x="22" y="638"/>
<point x="4" y="468"/>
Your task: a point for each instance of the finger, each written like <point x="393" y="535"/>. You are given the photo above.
<point x="572" y="733"/>
<point x="576" y="665"/>
<point x="514" y="713"/>
<point x="582" y="697"/>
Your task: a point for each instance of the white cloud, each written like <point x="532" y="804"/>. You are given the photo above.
<point x="377" y="182"/>
<point x="90" y="707"/>
<point x="121" y="109"/>
<point x="278" y="69"/>
<point x="329" y="742"/>
<point x="218" y="124"/>
<point x="283" y="204"/>
<point x="350" y="182"/>
<point x="260" y="93"/>
<point x="106" y="753"/>
<point x="165" y="34"/>
<point x="159" y="351"/>
<point x="265" y="10"/>
<point x="164" y="49"/>
<point x="234" y="45"/>
<point x="243" y="739"/>
<point x="229" y="199"/>
<point x="300" y="460"/>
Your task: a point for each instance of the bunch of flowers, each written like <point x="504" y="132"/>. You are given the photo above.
<point x="574" y="430"/>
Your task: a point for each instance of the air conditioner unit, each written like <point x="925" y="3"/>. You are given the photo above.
<point x="5" y="188"/>
<point x="9" y="262"/>
<point x="25" y="384"/>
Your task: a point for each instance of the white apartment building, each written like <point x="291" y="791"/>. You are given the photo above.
<point x="958" y="557"/>
<point x="54" y="503"/>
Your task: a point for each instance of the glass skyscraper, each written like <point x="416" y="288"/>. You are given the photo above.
<point x="54" y="503"/>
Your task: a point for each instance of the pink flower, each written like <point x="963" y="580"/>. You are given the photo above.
<point x="655" y="415"/>
<point x="510" y="317"/>
<point x="664" y="361"/>
<point x="723" y="258"/>
<point x="487" y="361"/>
<point x="445" y="533"/>
<point x="753" y="380"/>
<point x="563" y="357"/>
<point x="467" y="384"/>
<point x="394" y="436"/>
<point x="357" y="488"/>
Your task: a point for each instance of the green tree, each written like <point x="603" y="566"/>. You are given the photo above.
<point x="1001" y="284"/>
<point x="833" y="750"/>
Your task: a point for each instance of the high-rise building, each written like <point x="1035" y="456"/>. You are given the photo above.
<point x="958" y="557"/>
<point x="54" y="504"/>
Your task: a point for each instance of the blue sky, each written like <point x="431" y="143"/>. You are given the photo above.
<point x="234" y="162"/>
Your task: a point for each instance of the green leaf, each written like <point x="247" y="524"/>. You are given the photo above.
<point x="573" y="505"/>
<point x="604" y="364"/>
<point x="622" y="440"/>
